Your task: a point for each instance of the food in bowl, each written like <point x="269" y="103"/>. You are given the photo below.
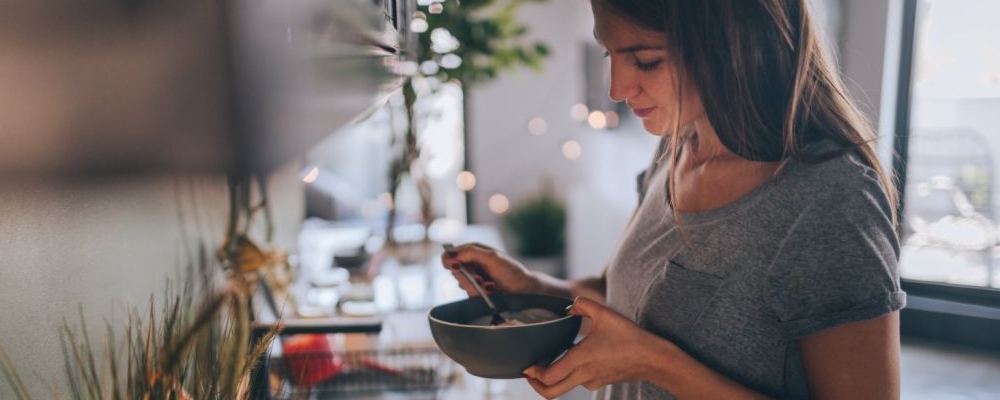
<point x="513" y="318"/>
<point x="463" y="332"/>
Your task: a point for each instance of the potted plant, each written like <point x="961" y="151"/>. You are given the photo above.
<point x="538" y="225"/>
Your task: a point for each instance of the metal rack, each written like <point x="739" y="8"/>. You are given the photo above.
<point x="422" y="372"/>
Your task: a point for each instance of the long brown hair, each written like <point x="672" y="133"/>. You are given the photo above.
<point x="766" y="84"/>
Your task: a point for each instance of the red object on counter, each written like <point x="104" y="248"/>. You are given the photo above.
<point x="311" y="359"/>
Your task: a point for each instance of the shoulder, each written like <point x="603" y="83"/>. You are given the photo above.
<point x="843" y="210"/>
<point x="841" y="185"/>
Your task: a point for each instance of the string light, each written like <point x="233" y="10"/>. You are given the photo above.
<point x="571" y="149"/>
<point x="537" y="126"/>
<point x="579" y="112"/>
<point x="613" y="119"/>
<point x="597" y="120"/>
<point x="466" y="180"/>
<point x="499" y="204"/>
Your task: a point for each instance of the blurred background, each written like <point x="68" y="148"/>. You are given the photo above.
<point x="384" y="128"/>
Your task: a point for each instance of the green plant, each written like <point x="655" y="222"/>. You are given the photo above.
<point x="539" y="225"/>
<point x="487" y="39"/>
<point x="468" y="42"/>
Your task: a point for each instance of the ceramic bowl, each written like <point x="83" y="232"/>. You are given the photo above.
<point x="502" y="352"/>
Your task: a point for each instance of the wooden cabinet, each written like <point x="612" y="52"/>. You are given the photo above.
<point x="190" y="85"/>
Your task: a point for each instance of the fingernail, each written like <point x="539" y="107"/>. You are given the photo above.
<point x="489" y="286"/>
<point x="453" y="266"/>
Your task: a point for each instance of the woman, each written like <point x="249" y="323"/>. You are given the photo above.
<point x="761" y="262"/>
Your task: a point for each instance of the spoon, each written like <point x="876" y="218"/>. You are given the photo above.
<point x="497" y="319"/>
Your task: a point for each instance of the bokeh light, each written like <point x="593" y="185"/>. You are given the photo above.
<point x="429" y="67"/>
<point x="579" y="112"/>
<point x="419" y="25"/>
<point x="613" y="119"/>
<point x="451" y="61"/>
<point x="597" y="120"/>
<point x="572" y="150"/>
<point x="311" y="176"/>
<point x="466" y="180"/>
<point x="537" y="126"/>
<point x="499" y="204"/>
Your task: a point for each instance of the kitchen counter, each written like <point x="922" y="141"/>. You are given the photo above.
<point x="402" y="285"/>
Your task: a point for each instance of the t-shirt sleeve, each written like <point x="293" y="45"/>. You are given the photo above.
<point x="837" y="264"/>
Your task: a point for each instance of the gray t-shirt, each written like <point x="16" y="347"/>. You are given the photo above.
<point x="736" y="287"/>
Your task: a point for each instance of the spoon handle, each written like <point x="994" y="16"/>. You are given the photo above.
<point x="482" y="293"/>
<point x="479" y="289"/>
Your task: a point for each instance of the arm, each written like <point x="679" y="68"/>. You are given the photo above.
<point x="593" y="287"/>
<point x="499" y="272"/>
<point x="857" y="360"/>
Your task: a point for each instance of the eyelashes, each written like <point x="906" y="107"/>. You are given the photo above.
<point x="642" y="66"/>
<point x="647" y="66"/>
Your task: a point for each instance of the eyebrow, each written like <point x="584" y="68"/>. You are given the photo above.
<point x="633" y="48"/>
<point x="638" y="47"/>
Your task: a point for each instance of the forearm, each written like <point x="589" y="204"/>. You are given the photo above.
<point x="677" y="372"/>
<point x="590" y="287"/>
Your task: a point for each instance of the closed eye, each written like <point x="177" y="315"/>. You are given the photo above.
<point x="642" y="66"/>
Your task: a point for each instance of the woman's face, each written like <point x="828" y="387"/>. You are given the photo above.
<point x="643" y="73"/>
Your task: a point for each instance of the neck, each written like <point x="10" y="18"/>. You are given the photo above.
<point x="701" y="144"/>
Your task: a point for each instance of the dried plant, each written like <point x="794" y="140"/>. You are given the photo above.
<point x="199" y="345"/>
<point x="196" y="347"/>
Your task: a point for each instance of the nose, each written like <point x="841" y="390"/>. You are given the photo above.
<point x="623" y="83"/>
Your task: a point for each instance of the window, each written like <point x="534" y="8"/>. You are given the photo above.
<point x="952" y="186"/>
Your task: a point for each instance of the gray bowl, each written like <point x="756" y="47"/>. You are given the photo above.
<point x="502" y="352"/>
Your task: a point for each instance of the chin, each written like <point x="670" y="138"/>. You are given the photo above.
<point x="657" y="128"/>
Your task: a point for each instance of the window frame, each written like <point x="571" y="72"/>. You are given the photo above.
<point x="964" y="315"/>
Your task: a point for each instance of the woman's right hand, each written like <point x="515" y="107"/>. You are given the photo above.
<point x="494" y="271"/>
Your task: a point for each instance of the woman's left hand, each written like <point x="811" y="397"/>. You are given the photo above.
<point x="615" y="350"/>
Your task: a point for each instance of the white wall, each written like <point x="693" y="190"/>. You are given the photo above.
<point x="102" y="245"/>
<point x="599" y="186"/>
<point x="862" y="51"/>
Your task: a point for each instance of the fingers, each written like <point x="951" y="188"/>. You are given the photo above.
<point x="559" y="370"/>
<point x="474" y="253"/>
<point x="473" y="257"/>
<point x="594" y="311"/>
<point x="559" y="388"/>
<point x="488" y="286"/>
<point x="586" y="307"/>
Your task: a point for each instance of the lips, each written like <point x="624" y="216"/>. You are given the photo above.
<point x="643" y="112"/>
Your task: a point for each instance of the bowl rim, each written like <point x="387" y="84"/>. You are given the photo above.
<point x="494" y="327"/>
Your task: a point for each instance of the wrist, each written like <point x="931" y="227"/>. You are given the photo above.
<point x="545" y="284"/>
<point x="661" y="364"/>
